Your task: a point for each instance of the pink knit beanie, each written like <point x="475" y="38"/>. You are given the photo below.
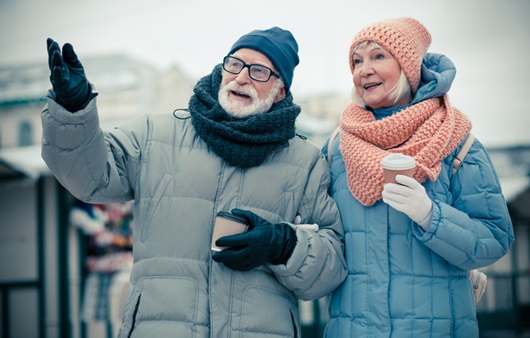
<point x="405" y="38"/>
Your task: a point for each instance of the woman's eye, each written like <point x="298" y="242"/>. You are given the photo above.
<point x="379" y="57"/>
<point x="356" y="61"/>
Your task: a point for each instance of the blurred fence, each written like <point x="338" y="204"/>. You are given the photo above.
<point x="502" y="307"/>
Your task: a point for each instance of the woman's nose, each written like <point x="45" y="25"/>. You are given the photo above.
<point x="366" y="68"/>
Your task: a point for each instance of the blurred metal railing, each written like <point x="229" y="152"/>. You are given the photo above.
<point x="506" y="303"/>
<point x="314" y="316"/>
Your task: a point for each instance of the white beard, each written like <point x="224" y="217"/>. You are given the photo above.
<point x="240" y="109"/>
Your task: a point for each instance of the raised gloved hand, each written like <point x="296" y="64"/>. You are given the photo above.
<point x="409" y="197"/>
<point x="68" y="79"/>
<point x="264" y="242"/>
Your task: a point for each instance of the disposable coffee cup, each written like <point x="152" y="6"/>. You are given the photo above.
<point x="397" y="164"/>
<point x="227" y="224"/>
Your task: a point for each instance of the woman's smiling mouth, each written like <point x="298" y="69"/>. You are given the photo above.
<point x="372" y="85"/>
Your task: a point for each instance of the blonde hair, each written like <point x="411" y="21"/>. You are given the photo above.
<point x="401" y="89"/>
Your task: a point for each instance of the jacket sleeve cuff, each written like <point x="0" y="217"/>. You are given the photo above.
<point x="296" y="260"/>
<point x="426" y="235"/>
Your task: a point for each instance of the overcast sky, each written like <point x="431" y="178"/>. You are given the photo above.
<point x="488" y="40"/>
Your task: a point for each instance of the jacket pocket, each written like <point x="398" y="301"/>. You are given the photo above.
<point x="169" y="304"/>
<point x="296" y="326"/>
<point x="153" y="205"/>
<point x="129" y="313"/>
<point x="279" y="319"/>
<point x="134" y="316"/>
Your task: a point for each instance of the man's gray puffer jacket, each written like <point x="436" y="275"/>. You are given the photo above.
<point x="176" y="289"/>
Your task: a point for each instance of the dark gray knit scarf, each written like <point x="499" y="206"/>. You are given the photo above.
<point x="243" y="143"/>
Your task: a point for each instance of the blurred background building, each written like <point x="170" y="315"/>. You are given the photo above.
<point x="44" y="281"/>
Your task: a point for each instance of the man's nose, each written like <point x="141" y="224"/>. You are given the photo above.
<point x="244" y="76"/>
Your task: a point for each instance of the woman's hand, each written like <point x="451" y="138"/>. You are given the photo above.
<point x="409" y="197"/>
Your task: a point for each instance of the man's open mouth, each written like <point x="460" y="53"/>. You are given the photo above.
<point x="239" y="94"/>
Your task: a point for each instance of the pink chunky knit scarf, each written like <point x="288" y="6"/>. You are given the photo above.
<point x="427" y="131"/>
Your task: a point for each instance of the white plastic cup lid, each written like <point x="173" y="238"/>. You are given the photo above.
<point x="398" y="161"/>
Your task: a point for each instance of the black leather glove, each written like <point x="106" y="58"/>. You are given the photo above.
<point x="264" y="242"/>
<point x="68" y="79"/>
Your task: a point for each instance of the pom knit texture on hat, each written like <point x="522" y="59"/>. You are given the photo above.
<point x="427" y="131"/>
<point x="405" y="38"/>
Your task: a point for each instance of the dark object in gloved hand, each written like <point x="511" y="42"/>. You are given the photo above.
<point x="264" y="242"/>
<point x="71" y="87"/>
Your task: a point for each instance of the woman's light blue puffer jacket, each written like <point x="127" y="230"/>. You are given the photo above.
<point x="404" y="281"/>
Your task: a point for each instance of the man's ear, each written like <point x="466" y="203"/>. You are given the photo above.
<point x="282" y="93"/>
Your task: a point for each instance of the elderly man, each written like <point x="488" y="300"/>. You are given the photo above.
<point x="234" y="150"/>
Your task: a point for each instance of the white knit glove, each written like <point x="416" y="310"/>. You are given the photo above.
<point x="410" y="198"/>
<point x="479" y="281"/>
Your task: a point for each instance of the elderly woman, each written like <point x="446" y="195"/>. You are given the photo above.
<point x="410" y="245"/>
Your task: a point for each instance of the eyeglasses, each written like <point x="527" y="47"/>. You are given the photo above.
<point x="256" y="72"/>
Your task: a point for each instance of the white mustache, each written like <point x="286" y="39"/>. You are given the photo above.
<point x="246" y="89"/>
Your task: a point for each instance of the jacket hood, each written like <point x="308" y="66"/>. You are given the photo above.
<point x="437" y="75"/>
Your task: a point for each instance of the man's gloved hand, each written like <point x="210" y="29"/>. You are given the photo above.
<point x="409" y="197"/>
<point x="68" y="79"/>
<point x="264" y="242"/>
